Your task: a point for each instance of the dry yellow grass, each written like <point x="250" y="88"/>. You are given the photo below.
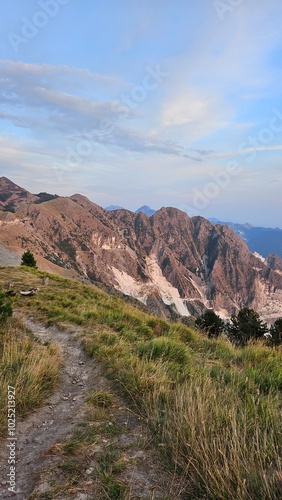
<point x="32" y="369"/>
<point x="213" y="409"/>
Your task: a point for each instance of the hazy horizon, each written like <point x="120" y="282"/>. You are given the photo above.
<point x="135" y="208"/>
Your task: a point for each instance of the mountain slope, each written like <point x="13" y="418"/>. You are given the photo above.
<point x="263" y="240"/>
<point x="13" y="197"/>
<point x="168" y="261"/>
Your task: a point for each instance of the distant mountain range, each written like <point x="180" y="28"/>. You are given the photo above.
<point x="145" y="209"/>
<point x="262" y="240"/>
<point x="114" y="207"/>
<point x="171" y="262"/>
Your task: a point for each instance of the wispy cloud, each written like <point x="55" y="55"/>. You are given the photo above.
<point x="132" y="140"/>
<point x="196" y="112"/>
<point x="28" y="88"/>
<point x="53" y="73"/>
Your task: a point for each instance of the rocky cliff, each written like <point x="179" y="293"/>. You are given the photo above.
<point x="186" y="263"/>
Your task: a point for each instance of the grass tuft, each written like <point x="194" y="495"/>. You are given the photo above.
<point x="31" y="368"/>
<point x="100" y="399"/>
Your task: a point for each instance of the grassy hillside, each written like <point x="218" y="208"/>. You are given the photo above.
<point x="214" y="410"/>
<point x="32" y="369"/>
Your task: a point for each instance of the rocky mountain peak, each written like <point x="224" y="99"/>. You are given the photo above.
<point x="184" y="264"/>
<point x="7" y="185"/>
<point x="14" y="197"/>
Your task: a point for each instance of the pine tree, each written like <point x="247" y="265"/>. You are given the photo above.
<point x="211" y="323"/>
<point x="28" y="259"/>
<point x="276" y="333"/>
<point x="245" y="326"/>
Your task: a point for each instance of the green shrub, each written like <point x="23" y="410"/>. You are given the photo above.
<point x="245" y="326"/>
<point x="6" y="309"/>
<point x="210" y="323"/>
<point x="28" y="259"/>
<point x="276" y="333"/>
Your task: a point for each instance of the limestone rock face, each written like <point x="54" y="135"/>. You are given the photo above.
<point x="169" y="261"/>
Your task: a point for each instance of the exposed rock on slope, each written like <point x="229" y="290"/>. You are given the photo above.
<point x="169" y="258"/>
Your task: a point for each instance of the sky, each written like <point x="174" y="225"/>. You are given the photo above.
<point x="161" y="102"/>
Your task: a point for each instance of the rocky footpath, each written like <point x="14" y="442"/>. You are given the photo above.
<point x="41" y="434"/>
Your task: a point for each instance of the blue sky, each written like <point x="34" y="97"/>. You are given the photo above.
<point x="160" y="102"/>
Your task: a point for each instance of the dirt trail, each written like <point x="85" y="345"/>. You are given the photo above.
<point x="58" y="418"/>
<point x="61" y="412"/>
